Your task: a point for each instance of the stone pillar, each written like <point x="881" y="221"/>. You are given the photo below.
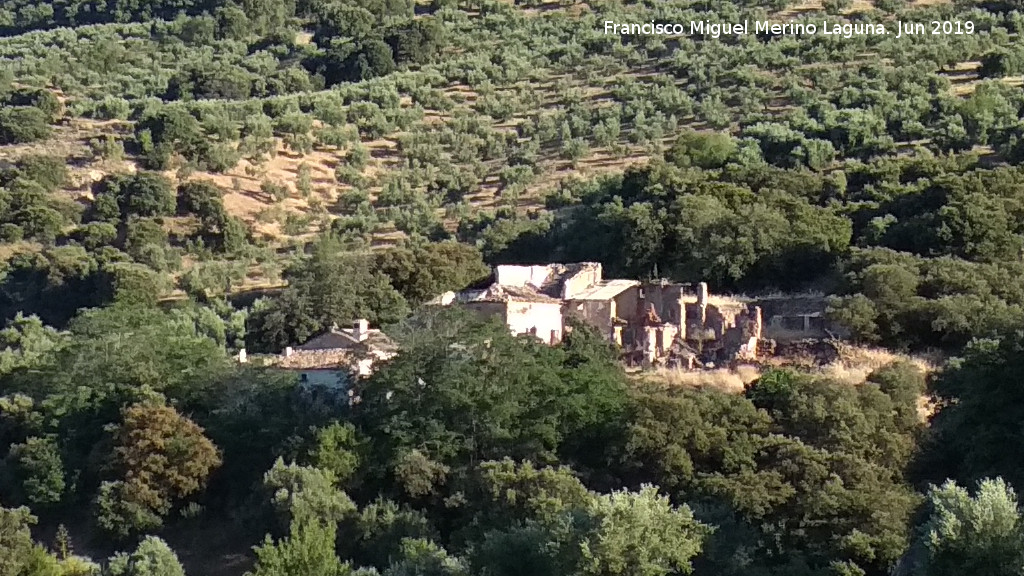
<point x="360" y="329"/>
<point x="758" y="322"/>
<point x="682" y="317"/>
<point x="242" y="358"/>
<point x="702" y="302"/>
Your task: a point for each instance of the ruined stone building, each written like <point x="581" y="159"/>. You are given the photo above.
<point x="653" y="322"/>
<point x="529" y="299"/>
<point x="685" y="324"/>
<point x="657" y="322"/>
<point x="791" y="317"/>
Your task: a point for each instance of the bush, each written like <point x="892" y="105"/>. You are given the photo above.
<point x="141" y="194"/>
<point x="37" y="464"/>
<point x="142" y="231"/>
<point x="43" y="100"/>
<point x="23" y="124"/>
<point x="133" y="284"/>
<point x="121" y="515"/>
<point x="95" y="234"/>
<point x="112" y="108"/>
<point x="11" y="232"/>
<point x="40" y="222"/>
<point x="275" y="190"/>
<point x="153" y="557"/>
<point x="350" y="176"/>
<point x="703" y="150"/>
<point x="202" y="198"/>
<point x="48" y="171"/>
<point x="107" y="147"/>
<point x="221" y="157"/>
<point x="833" y="7"/>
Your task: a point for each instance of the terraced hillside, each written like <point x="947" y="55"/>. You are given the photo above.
<point x="381" y="124"/>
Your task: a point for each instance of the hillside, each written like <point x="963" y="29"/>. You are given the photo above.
<point x="184" y="179"/>
<point x="481" y="109"/>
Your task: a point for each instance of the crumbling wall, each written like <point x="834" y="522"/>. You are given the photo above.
<point x="651" y="343"/>
<point x="521" y="275"/>
<point x="542" y="319"/>
<point x="696" y="322"/>
<point x="489" y="309"/>
<point x="586" y="277"/>
<point x="626" y="304"/>
<point x="597" y="313"/>
<point x="669" y="301"/>
<point x="796" y="317"/>
<point x="663" y="337"/>
<point x="812" y="351"/>
<point x="740" y="339"/>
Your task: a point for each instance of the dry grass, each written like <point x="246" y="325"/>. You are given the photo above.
<point x="967" y="87"/>
<point x="853" y="367"/>
<point x="857" y="362"/>
<point x="728" y="380"/>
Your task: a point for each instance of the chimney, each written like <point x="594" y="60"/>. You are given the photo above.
<point x="702" y="294"/>
<point x="288" y="352"/>
<point x="360" y="329"/>
<point x="242" y="359"/>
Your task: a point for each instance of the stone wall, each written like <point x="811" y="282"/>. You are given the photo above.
<point x="542" y="319"/>
<point x="597" y="313"/>
<point x="669" y="301"/>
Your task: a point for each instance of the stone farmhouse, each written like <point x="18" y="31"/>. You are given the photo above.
<point x="327" y="359"/>
<point x="654" y="322"/>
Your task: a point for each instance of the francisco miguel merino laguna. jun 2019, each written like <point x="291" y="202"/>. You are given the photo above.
<point x="825" y="28"/>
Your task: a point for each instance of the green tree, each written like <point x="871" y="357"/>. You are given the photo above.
<point x="23" y="124"/>
<point x="782" y="470"/>
<point x="19" y="555"/>
<point x="202" y="198"/>
<point x="982" y="534"/>
<point x="152" y="557"/>
<point x="166" y="131"/>
<point x="95" y="234"/>
<point x="428" y="410"/>
<point x="327" y="287"/>
<point x="141" y="194"/>
<point x="132" y="284"/>
<point x="37" y="465"/>
<point x="426" y="271"/>
<point x="381" y="528"/>
<point x="419" y="557"/>
<point x="337" y="451"/>
<point x="569" y="530"/>
<point x="671" y="536"/>
<point x="305" y="494"/>
<point x="977" y="398"/>
<point x="703" y="150"/>
<point x="307" y="550"/>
